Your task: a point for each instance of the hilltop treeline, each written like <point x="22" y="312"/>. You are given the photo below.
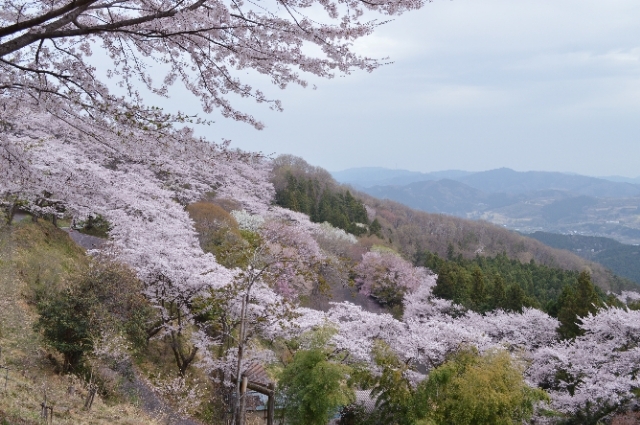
<point x="311" y="190"/>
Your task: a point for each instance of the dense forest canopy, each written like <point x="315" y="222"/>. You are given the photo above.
<point x="475" y="283"/>
<point x="311" y="190"/>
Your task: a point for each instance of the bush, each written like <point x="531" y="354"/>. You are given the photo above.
<point x="472" y="389"/>
<point x="95" y="226"/>
<point x="65" y="323"/>
<point x="105" y="298"/>
<point x="219" y="234"/>
<point x="314" y="386"/>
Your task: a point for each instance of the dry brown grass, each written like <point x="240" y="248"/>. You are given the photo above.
<point x="630" y="418"/>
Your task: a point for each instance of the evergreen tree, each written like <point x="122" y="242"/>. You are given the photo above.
<point x="450" y="252"/>
<point x="576" y="301"/>
<point x="375" y="228"/>
<point x="478" y="290"/>
<point x="445" y="284"/>
<point x="498" y="294"/>
<point x="515" y="298"/>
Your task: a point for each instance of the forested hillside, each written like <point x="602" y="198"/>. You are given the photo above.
<point x="221" y="281"/>
<point x="416" y="233"/>
<point x="412" y="231"/>
<point x="312" y="191"/>
<point x="622" y="259"/>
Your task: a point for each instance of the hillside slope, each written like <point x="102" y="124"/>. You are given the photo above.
<point x="411" y="231"/>
<point x="34" y="255"/>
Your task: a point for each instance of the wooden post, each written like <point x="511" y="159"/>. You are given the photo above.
<point x="271" y="404"/>
<point x="243" y="401"/>
<point x="90" y="395"/>
<point x="43" y="405"/>
<point x="92" y="392"/>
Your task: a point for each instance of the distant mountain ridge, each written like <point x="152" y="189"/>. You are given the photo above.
<point x="378" y="176"/>
<point x="621" y="179"/>
<point x="495" y="181"/>
<point x="524" y="201"/>
<point x="510" y="181"/>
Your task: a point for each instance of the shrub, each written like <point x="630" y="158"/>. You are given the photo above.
<point x="219" y="234"/>
<point x="95" y="226"/>
<point x="473" y="389"/>
<point x="104" y="298"/>
<point x="314" y="386"/>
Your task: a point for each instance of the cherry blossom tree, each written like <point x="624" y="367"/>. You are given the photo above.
<point x="296" y="257"/>
<point x="45" y="50"/>
<point x="381" y="272"/>
<point x="141" y="186"/>
<point x="528" y="331"/>
<point x="136" y="191"/>
<point x="597" y="371"/>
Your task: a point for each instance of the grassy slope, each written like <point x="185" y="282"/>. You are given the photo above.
<point x="30" y="255"/>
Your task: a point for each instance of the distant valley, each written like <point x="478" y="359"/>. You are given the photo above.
<point x="624" y="260"/>
<point x="524" y="201"/>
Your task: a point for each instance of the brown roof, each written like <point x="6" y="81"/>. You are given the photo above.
<point x="256" y="373"/>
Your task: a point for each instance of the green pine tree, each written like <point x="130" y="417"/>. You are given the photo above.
<point x="478" y="289"/>
<point x="576" y="301"/>
<point x="498" y="293"/>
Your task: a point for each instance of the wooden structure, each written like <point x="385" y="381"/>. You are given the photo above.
<point x="256" y="379"/>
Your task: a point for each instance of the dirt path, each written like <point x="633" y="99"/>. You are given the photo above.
<point x="134" y="387"/>
<point x="85" y="241"/>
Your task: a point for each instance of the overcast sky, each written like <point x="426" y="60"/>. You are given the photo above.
<point x="475" y="85"/>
